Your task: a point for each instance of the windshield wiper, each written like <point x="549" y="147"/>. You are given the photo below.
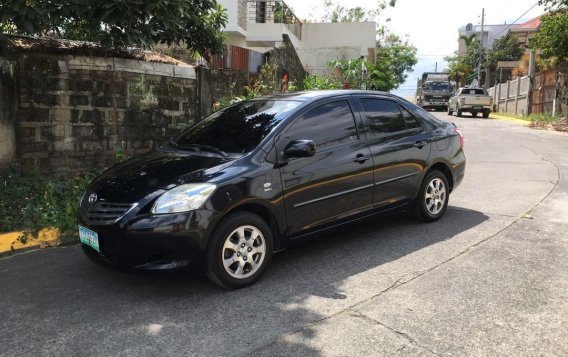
<point x="200" y="147"/>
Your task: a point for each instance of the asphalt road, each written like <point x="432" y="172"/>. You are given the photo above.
<point x="490" y="278"/>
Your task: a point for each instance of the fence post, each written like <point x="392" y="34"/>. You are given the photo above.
<point x="498" y="99"/>
<point x="517" y="96"/>
<point x="556" y="84"/>
<point x="507" y="97"/>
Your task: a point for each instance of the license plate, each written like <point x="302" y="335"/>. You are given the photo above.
<point x="478" y="108"/>
<point x="88" y="237"/>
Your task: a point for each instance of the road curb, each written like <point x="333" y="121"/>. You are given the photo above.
<point x="10" y="242"/>
<point x="514" y="120"/>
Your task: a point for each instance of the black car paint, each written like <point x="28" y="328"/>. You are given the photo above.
<point x="304" y="195"/>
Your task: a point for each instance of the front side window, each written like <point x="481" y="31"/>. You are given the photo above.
<point x="237" y="129"/>
<point x="328" y="125"/>
<point x="383" y="116"/>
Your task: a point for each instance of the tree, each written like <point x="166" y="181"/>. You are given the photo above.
<point x="396" y="57"/>
<point x="462" y="66"/>
<point x="552" y="37"/>
<point x="337" y="13"/>
<point x="503" y="49"/>
<point x="196" y="23"/>
<point x="469" y="40"/>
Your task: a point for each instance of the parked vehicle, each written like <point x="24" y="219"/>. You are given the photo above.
<point x="433" y="91"/>
<point x="470" y="100"/>
<point x="263" y="174"/>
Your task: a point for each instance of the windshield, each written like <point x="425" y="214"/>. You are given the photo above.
<point x="238" y="128"/>
<point x="440" y="86"/>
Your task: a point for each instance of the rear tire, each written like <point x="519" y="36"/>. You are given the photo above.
<point x="239" y="251"/>
<point x="474" y="114"/>
<point x="486" y="114"/>
<point x="433" y="197"/>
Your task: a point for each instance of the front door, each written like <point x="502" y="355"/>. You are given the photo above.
<point x="334" y="184"/>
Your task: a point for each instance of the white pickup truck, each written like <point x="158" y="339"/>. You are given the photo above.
<point x="471" y="100"/>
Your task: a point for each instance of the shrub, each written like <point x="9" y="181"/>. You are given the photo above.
<point x="32" y="201"/>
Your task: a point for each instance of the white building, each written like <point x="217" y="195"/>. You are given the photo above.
<point x="490" y="34"/>
<point x="259" y="26"/>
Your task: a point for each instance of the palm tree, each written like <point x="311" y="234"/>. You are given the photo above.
<point x="468" y="39"/>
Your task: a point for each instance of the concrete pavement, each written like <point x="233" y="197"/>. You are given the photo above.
<point x="487" y="279"/>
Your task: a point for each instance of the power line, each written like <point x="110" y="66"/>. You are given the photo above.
<point x="520" y="17"/>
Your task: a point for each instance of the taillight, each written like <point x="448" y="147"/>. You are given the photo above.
<point x="457" y="131"/>
<point x="462" y="100"/>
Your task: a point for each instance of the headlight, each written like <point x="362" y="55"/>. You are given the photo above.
<point x="184" y="198"/>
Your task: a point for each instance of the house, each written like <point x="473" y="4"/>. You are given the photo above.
<point x="260" y="25"/>
<point x="526" y="30"/>
<point x="490" y="34"/>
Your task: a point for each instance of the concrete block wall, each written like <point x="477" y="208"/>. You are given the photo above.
<point x="7" y="110"/>
<point x="75" y="113"/>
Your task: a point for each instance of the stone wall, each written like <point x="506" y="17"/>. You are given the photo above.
<point x="7" y="110"/>
<point x="286" y="57"/>
<point x="77" y="113"/>
<point x="63" y="114"/>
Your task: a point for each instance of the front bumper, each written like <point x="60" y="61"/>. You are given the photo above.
<point x="153" y="242"/>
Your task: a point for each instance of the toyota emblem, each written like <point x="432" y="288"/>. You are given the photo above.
<point x="92" y="198"/>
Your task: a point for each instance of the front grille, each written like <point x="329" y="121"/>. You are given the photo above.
<point x="107" y="212"/>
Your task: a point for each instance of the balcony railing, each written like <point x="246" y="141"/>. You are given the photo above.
<point x="274" y="12"/>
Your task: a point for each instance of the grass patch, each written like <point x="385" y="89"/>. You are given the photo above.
<point x="543" y="117"/>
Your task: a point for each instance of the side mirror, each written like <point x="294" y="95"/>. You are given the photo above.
<point x="300" y="148"/>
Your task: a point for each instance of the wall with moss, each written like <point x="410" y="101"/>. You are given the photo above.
<point x="75" y="113"/>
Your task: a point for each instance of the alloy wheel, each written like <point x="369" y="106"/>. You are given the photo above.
<point x="435" y="196"/>
<point x="243" y="252"/>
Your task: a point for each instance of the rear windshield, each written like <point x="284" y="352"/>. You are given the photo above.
<point x="238" y="128"/>
<point x="478" y="91"/>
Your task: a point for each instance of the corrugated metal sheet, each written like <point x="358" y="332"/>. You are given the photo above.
<point x="239" y="58"/>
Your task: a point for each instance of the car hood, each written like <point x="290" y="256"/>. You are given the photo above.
<point x="135" y="178"/>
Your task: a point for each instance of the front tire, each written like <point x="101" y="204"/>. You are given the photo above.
<point x="433" y="197"/>
<point x="240" y="249"/>
<point x="450" y="111"/>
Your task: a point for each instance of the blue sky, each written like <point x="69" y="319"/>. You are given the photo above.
<point x="432" y="26"/>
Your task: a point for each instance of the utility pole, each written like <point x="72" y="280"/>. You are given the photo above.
<point x="481" y="47"/>
<point x="436" y="68"/>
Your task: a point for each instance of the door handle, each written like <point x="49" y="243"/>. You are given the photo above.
<point x="420" y="144"/>
<point x="360" y="158"/>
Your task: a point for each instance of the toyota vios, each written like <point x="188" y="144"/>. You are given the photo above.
<point x="263" y="174"/>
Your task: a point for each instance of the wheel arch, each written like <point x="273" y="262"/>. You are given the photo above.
<point x="264" y="212"/>
<point x="444" y="167"/>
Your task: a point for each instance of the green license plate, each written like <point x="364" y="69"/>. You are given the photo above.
<point x="88" y="237"/>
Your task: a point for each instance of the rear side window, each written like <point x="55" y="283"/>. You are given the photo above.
<point x="409" y="120"/>
<point x="384" y="116"/>
<point x="328" y="125"/>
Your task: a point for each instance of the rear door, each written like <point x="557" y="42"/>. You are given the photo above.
<point x="400" y="148"/>
<point x="337" y="182"/>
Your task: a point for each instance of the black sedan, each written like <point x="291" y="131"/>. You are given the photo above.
<point x="263" y="174"/>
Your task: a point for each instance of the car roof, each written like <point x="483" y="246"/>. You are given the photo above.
<point x="320" y="94"/>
